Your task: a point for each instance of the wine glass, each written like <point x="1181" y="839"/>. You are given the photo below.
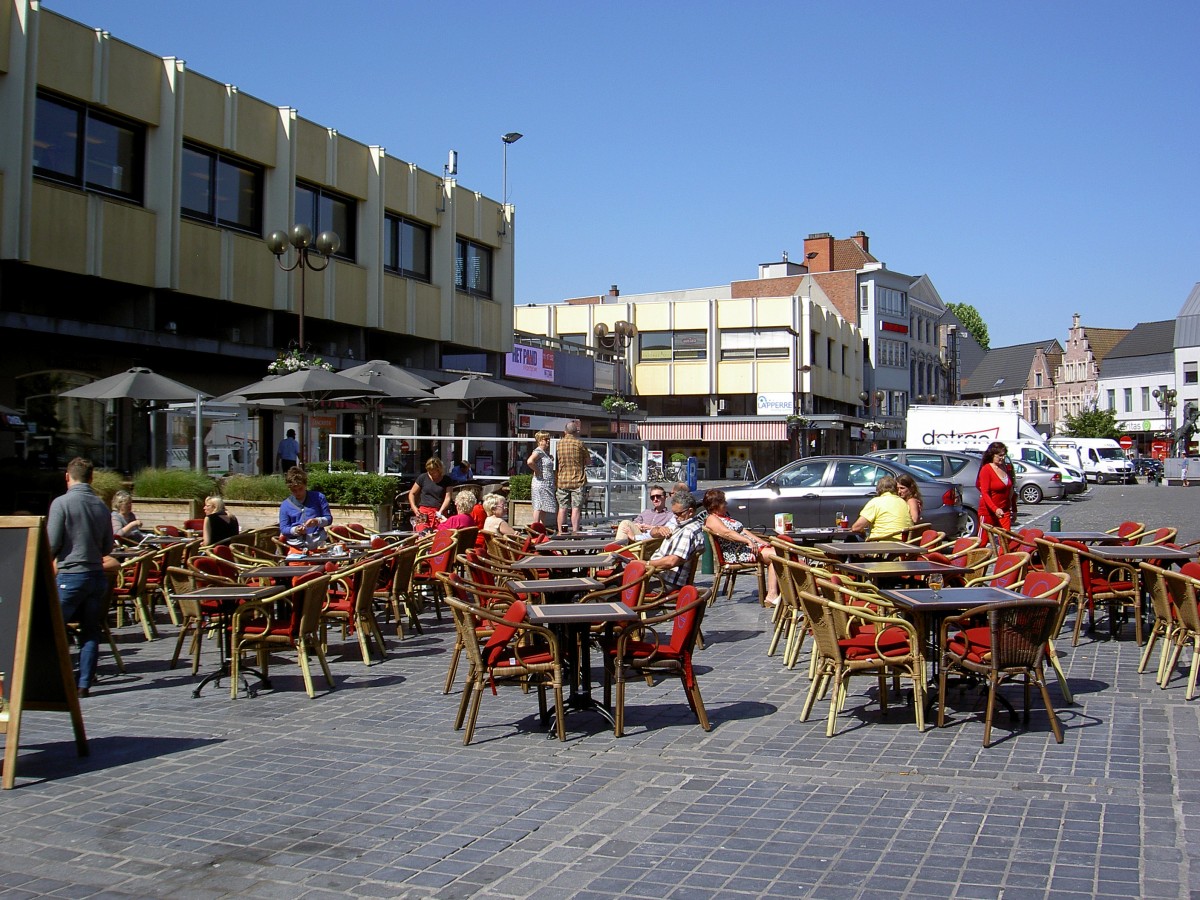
<point x="935" y="582"/>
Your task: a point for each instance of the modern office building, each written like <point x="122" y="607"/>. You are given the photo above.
<point x="717" y="372"/>
<point x="135" y="199"/>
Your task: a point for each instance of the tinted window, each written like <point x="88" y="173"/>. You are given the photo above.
<point x="955" y="464"/>
<point x="802" y="475"/>
<point x="931" y="463"/>
<point x="857" y="473"/>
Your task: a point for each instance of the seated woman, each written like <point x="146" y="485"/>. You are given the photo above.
<point x="218" y="524"/>
<point x="497" y="510"/>
<point x="304" y="515"/>
<point x="464" y="502"/>
<point x="886" y="514"/>
<point x="910" y="492"/>
<point x="125" y="524"/>
<point x="737" y="544"/>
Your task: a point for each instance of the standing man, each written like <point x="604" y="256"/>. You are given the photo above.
<point x="1184" y="471"/>
<point x="80" y="535"/>
<point x="570" y="476"/>
<point x="288" y="452"/>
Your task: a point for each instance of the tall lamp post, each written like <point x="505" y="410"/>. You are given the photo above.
<point x="1166" y="399"/>
<point x="301" y="238"/>
<point x="510" y="138"/>
<point x="618" y="341"/>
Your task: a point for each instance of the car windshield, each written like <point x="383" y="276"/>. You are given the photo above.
<point x="1111" y="453"/>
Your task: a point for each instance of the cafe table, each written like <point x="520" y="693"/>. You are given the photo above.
<point x="572" y="623"/>
<point x="869" y="548"/>
<point x="810" y="536"/>
<point x="887" y="571"/>
<point x="568" y="588"/>
<point x="226" y="599"/>
<point x="279" y="574"/>
<point x="1141" y="552"/>
<point x="572" y="562"/>
<point x="1085" y="537"/>
<point x="582" y="545"/>
<point x="308" y="558"/>
<point x="927" y="609"/>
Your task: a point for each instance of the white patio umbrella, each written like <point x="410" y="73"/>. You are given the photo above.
<point x="140" y="383"/>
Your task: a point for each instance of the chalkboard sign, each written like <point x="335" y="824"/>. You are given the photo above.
<point x="35" y="662"/>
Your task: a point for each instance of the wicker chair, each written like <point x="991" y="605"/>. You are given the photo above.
<point x="1012" y="643"/>
<point x="726" y="572"/>
<point x="515" y="649"/>
<point x="1118" y="587"/>
<point x="890" y="645"/>
<point x="1154" y="583"/>
<point x="351" y="603"/>
<point x="256" y="626"/>
<point x="1182" y="587"/>
<point x="1129" y="532"/>
<point x="638" y="648"/>
<point x="1008" y="570"/>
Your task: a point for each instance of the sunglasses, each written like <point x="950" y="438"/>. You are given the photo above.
<point x="658" y="496"/>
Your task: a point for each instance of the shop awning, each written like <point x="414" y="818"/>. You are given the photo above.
<point x="745" y="431"/>
<point x="669" y="431"/>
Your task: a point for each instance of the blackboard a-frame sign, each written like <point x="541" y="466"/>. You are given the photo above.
<point x="35" y="663"/>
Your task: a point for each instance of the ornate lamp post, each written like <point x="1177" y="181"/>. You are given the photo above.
<point x="1166" y="399"/>
<point x="618" y="340"/>
<point x="301" y="238"/>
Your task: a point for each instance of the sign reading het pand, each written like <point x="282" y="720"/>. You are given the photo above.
<point x="530" y="362"/>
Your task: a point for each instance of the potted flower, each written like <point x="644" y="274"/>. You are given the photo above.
<point x="618" y="405"/>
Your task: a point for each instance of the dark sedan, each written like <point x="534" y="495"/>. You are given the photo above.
<point x="814" y="490"/>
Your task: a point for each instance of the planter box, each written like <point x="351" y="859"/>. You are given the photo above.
<point x="158" y="511"/>
<point x="259" y="514"/>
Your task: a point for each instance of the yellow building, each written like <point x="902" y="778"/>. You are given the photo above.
<point x="135" y="196"/>
<point x="718" y="376"/>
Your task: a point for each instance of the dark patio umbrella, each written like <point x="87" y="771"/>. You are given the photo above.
<point x="471" y="391"/>
<point x="396" y="373"/>
<point x="139" y="383"/>
<point x="310" y="386"/>
<point x="307" y="386"/>
<point x="401" y="387"/>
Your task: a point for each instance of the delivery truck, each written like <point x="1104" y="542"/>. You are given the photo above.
<point x="972" y="428"/>
<point x="1101" y="459"/>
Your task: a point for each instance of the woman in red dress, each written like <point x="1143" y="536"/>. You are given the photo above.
<point x="997" y="494"/>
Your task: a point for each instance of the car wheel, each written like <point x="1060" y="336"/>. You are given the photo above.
<point x="971" y="528"/>
<point x="1031" y="493"/>
<point x="1101" y="479"/>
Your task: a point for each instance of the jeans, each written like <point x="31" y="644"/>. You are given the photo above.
<point x="81" y="595"/>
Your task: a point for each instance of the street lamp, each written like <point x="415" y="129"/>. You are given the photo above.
<point x="301" y="238"/>
<point x="1166" y="399"/>
<point x="618" y="340"/>
<point x="510" y="138"/>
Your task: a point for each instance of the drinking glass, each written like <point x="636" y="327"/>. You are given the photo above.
<point x="935" y="582"/>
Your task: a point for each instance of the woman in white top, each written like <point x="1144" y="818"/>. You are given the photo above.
<point x="496" y="508"/>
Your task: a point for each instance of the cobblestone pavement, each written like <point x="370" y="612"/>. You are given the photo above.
<point x="367" y="791"/>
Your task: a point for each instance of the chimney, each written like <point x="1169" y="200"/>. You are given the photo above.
<point x="863" y="241"/>
<point x="1075" y="320"/>
<point x="818" y="252"/>
<point x="614" y="291"/>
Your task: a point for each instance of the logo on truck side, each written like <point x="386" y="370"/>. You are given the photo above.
<point x="982" y="437"/>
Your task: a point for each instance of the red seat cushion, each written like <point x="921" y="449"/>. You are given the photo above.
<point x="646" y="649"/>
<point x="891" y="641"/>
<point x="526" y="659"/>
<point x="1104" y="586"/>
<point x="972" y="644"/>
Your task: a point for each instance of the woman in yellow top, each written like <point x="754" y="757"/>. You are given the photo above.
<point x="886" y="514"/>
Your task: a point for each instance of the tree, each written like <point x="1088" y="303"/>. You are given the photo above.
<point x="972" y="321"/>
<point x="1093" y="423"/>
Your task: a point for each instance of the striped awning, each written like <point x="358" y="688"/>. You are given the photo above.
<point x="745" y="431"/>
<point x="669" y="431"/>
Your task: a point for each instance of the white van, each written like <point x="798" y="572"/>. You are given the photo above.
<point x="1101" y="459"/>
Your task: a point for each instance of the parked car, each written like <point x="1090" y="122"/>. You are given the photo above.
<point x="961" y="469"/>
<point x="1035" y="483"/>
<point x="815" y="489"/>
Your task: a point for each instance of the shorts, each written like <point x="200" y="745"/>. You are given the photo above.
<point x="570" y="498"/>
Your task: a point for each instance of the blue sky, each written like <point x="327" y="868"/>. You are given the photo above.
<point x="1034" y="159"/>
